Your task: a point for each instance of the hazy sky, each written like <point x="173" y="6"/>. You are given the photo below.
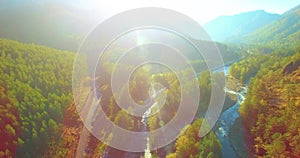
<point x="200" y="10"/>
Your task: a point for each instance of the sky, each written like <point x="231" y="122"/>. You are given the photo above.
<point x="200" y="10"/>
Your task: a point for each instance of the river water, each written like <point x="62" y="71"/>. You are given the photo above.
<point x="224" y="123"/>
<point x="227" y="119"/>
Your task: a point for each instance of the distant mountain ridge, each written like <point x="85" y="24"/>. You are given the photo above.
<point x="282" y="32"/>
<point x="233" y="28"/>
<point x="64" y="25"/>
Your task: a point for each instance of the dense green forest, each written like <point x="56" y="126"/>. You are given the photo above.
<point x="36" y="90"/>
<point x="39" y="116"/>
<point x="260" y="56"/>
<point x="189" y="144"/>
<point x="271" y="109"/>
<point x="9" y="124"/>
<point x="35" y="83"/>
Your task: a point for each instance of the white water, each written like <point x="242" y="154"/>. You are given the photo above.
<point x="226" y="120"/>
<point x="153" y="109"/>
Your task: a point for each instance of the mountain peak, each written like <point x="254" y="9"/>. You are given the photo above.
<point x="230" y="28"/>
<point x="255" y="11"/>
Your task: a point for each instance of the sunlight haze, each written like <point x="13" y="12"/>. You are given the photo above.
<point x="201" y="11"/>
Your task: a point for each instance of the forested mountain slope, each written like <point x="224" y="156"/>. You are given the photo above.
<point x="271" y="109"/>
<point x="233" y="28"/>
<point x="36" y="83"/>
<point x="57" y="24"/>
<point x="284" y="32"/>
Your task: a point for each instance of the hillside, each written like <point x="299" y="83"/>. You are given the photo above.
<point x="39" y="117"/>
<point x="69" y="137"/>
<point x="9" y="124"/>
<point x="35" y="87"/>
<point x="270" y="112"/>
<point x="30" y="22"/>
<point x="232" y="28"/>
<point x="51" y="107"/>
<point x="284" y="32"/>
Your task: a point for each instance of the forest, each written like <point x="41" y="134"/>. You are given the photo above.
<point x="34" y="96"/>
<point x="39" y="111"/>
<point x="271" y="110"/>
<point x="189" y="144"/>
<point x="39" y="116"/>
